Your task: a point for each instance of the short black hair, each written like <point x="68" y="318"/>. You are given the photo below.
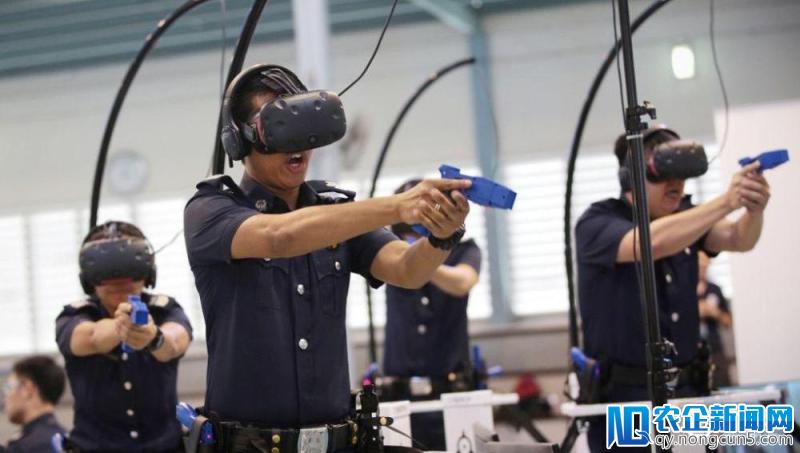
<point x="652" y="138"/>
<point x="408" y="185"/>
<point x="113" y="228"/>
<point x="45" y="374"/>
<point x="241" y="101"/>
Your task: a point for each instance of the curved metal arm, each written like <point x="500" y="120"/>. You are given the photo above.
<point x="218" y="158"/>
<point x="573" y="156"/>
<point x="149" y="42"/>
<point x="379" y="165"/>
<point x="434" y="77"/>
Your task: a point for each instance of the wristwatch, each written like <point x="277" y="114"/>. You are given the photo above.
<point x="450" y="242"/>
<point x="157" y="342"/>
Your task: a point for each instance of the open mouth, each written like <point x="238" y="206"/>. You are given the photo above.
<point x="296" y="162"/>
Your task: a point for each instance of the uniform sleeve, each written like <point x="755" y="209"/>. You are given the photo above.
<point x="597" y="237"/>
<point x="363" y="250"/>
<point x="65" y="325"/>
<point x="209" y="222"/>
<point x="175" y="313"/>
<point x="471" y="256"/>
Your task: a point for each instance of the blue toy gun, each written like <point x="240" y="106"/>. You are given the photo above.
<point x="768" y="159"/>
<point x="139" y="315"/>
<point x="186" y="415"/>
<point x="581" y="361"/>
<point x="483" y="191"/>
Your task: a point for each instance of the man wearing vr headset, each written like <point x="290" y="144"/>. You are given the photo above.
<point x="607" y="246"/>
<point x="124" y="401"/>
<point x="272" y="258"/>
<point x="426" y="334"/>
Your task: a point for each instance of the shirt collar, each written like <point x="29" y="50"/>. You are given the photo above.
<point x="45" y="419"/>
<point x="266" y="201"/>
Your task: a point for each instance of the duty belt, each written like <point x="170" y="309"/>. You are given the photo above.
<point x="321" y="439"/>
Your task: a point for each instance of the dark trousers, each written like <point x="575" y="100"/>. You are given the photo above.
<point x="622" y="393"/>
<point x="427" y="428"/>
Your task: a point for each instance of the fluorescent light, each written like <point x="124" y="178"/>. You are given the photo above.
<point x="683" y="62"/>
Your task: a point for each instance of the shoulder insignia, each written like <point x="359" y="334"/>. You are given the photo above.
<point x="159" y="300"/>
<point x="79" y="303"/>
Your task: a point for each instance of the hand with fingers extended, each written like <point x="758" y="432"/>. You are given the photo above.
<point x="436" y="204"/>
<point x="749" y="189"/>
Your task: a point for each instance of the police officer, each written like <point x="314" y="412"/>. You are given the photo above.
<point x="31" y="393"/>
<point x="714" y="315"/>
<point x="426" y="333"/>
<point x="124" y="401"/>
<point x="613" y="326"/>
<point x="272" y="258"/>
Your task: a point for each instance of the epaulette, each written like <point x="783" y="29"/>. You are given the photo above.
<point x="221" y="184"/>
<point x="330" y="193"/>
<point x="78" y="304"/>
<point x="159" y="300"/>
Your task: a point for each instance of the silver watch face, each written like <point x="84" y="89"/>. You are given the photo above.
<point x="128" y="172"/>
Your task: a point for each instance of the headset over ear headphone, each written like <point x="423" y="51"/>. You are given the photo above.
<point x="669" y="158"/>
<point x="120" y="251"/>
<point x="297" y="120"/>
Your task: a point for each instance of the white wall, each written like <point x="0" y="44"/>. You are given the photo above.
<point x="765" y="309"/>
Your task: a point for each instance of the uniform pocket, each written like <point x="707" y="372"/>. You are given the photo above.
<point x="333" y="279"/>
<point x="273" y="283"/>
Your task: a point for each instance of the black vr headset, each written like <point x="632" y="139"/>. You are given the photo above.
<point x="297" y="120"/>
<point x="671" y="157"/>
<point x="122" y="251"/>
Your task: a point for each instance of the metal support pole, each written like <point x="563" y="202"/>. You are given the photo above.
<point x="495" y="219"/>
<point x="656" y="348"/>
<point x="312" y="38"/>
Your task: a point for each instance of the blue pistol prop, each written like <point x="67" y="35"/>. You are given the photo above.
<point x="139" y="314"/>
<point x="768" y="159"/>
<point x="483" y="191"/>
<point x="187" y="417"/>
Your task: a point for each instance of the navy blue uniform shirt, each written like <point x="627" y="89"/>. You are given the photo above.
<point x="426" y="328"/>
<point x="709" y="327"/>
<point x="608" y="292"/>
<point x="123" y="401"/>
<point x="275" y="328"/>
<point x="36" y="436"/>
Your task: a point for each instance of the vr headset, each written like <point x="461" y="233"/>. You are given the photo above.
<point x="672" y="158"/>
<point x="121" y="252"/>
<point x="296" y="120"/>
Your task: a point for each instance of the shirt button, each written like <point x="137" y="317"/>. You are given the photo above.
<point x="668" y="278"/>
<point x="301" y="289"/>
<point x="134" y="434"/>
<point x="337" y="265"/>
<point x="261" y="205"/>
<point x="675" y="316"/>
<point x="303" y="344"/>
<point x="127" y="385"/>
<point x="129" y="412"/>
<point x="687" y="251"/>
<point x="421" y="329"/>
<point x="124" y="356"/>
<point x="267" y="259"/>
<point x="425" y="301"/>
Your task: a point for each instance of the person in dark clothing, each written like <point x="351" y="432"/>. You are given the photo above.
<point x="426" y="331"/>
<point x="607" y="248"/>
<point x="714" y="315"/>
<point x="123" y="376"/>
<point x="31" y="393"/>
